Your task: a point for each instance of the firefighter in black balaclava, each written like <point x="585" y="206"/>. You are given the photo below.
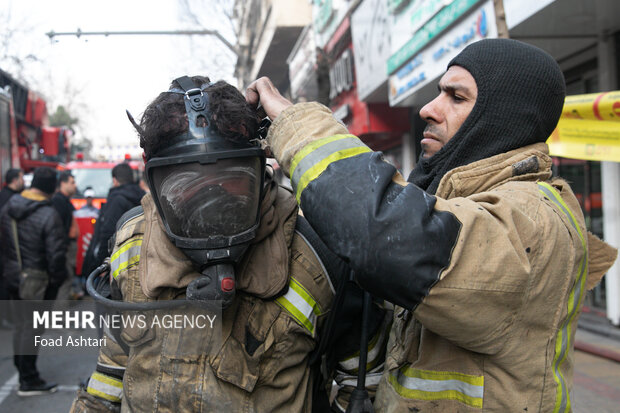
<point x="484" y="253"/>
<point x="215" y="231"/>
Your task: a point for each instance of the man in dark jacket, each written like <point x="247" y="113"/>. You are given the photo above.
<point x="41" y="244"/>
<point x="62" y="199"/>
<point x="62" y="203"/>
<point x="14" y="180"/>
<point x="124" y="195"/>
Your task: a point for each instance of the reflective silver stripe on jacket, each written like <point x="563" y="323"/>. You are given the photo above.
<point x="301" y="305"/>
<point x="438" y="385"/>
<point x="375" y="347"/>
<point x="127" y="255"/>
<point x="563" y="338"/>
<point x="314" y="158"/>
<point x="105" y="387"/>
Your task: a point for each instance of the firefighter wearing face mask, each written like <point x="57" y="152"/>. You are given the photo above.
<point x="215" y="226"/>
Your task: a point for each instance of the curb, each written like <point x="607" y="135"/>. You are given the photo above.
<point x="597" y="351"/>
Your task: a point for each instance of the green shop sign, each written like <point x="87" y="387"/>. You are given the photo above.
<point x="440" y="22"/>
<point x="395" y="5"/>
<point x="323" y="14"/>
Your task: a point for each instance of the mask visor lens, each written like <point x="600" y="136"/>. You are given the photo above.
<point x="206" y="200"/>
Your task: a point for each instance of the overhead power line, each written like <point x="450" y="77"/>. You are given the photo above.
<point x="215" y="33"/>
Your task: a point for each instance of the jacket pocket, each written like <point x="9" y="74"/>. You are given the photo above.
<point x="404" y="339"/>
<point x="137" y="335"/>
<point x="238" y="362"/>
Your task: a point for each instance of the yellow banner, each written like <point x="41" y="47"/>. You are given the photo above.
<point x="589" y="128"/>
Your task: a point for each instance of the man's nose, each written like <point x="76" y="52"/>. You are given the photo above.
<point x="429" y="112"/>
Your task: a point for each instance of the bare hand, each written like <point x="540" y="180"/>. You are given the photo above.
<point x="262" y="90"/>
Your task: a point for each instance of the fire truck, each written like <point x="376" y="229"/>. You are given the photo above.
<point x="26" y="139"/>
<point x="97" y="176"/>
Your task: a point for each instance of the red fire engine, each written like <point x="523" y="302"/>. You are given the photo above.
<point x="26" y="139"/>
<point x="98" y="177"/>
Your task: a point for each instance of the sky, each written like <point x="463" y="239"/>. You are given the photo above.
<point x="98" y="77"/>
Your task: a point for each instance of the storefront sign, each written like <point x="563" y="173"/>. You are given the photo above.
<point x="519" y="10"/>
<point x="341" y="74"/>
<point x="395" y="5"/>
<point x="431" y="29"/>
<point x="431" y="62"/>
<point x="371" y="42"/>
<point x="408" y="17"/>
<point x="327" y="16"/>
<point x="323" y="14"/>
<point x="589" y="128"/>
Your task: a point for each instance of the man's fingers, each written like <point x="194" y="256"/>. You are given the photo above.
<point x="251" y="94"/>
<point x="258" y="88"/>
<point x="263" y="90"/>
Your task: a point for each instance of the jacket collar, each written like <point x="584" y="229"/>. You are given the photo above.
<point x="34" y="196"/>
<point x="530" y="163"/>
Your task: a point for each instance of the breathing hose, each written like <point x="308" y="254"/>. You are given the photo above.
<point x="127" y="306"/>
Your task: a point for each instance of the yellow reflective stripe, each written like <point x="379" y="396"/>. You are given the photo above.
<point x="316" y="151"/>
<point x="557" y="199"/>
<point x="351" y="364"/>
<point x="301" y="305"/>
<point x="125" y="256"/>
<point x="125" y="247"/>
<point x="301" y="290"/>
<point x="320" y="167"/>
<point x="123" y="265"/>
<point x="315" y="157"/>
<point x="105" y="387"/>
<point x="306" y="150"/>
<point x="443" y="375"/>
<point x="438" y="385"/>
<point x="562" y="342"/>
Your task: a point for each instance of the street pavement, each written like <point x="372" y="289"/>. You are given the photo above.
<point x="596" y="380"/>
<point x="66" y="370"/>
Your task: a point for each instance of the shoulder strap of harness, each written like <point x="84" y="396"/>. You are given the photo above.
<point x="334" y="266"/>
<point x="132" y="213"/>
<point x="338" y="273"/>
<point x="126" y="217"/>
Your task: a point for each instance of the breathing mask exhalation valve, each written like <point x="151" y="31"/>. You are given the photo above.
<point x="207" y="190"/>
<point x="202" y="288"/>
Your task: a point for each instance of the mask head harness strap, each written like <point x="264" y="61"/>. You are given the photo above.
<point x="196" y="106"/>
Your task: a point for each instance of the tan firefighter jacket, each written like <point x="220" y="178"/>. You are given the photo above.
<point x="260" y="362"/>
<point x="491" y="271"/>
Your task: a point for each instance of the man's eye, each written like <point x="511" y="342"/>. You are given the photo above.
<point x="458" y="98"/>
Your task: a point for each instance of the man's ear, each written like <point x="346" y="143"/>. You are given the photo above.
<point x="144" y="158"/>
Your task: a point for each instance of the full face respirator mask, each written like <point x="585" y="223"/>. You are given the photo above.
<point x="207" y="190"/>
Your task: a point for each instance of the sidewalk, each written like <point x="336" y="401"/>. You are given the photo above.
<point x="597" y="366"/>
<point x="596" y="335"/>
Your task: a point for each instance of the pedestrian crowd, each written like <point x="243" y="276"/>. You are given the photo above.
<point x="38" y="238"/>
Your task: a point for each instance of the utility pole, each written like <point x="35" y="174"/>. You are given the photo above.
<point x="500" y="18"/>
<point x="215" y="33"/>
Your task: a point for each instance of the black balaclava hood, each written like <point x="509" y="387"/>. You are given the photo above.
<point x="521" y="93"/>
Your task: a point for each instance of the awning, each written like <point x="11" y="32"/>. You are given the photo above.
<point x="589" y="128"/>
